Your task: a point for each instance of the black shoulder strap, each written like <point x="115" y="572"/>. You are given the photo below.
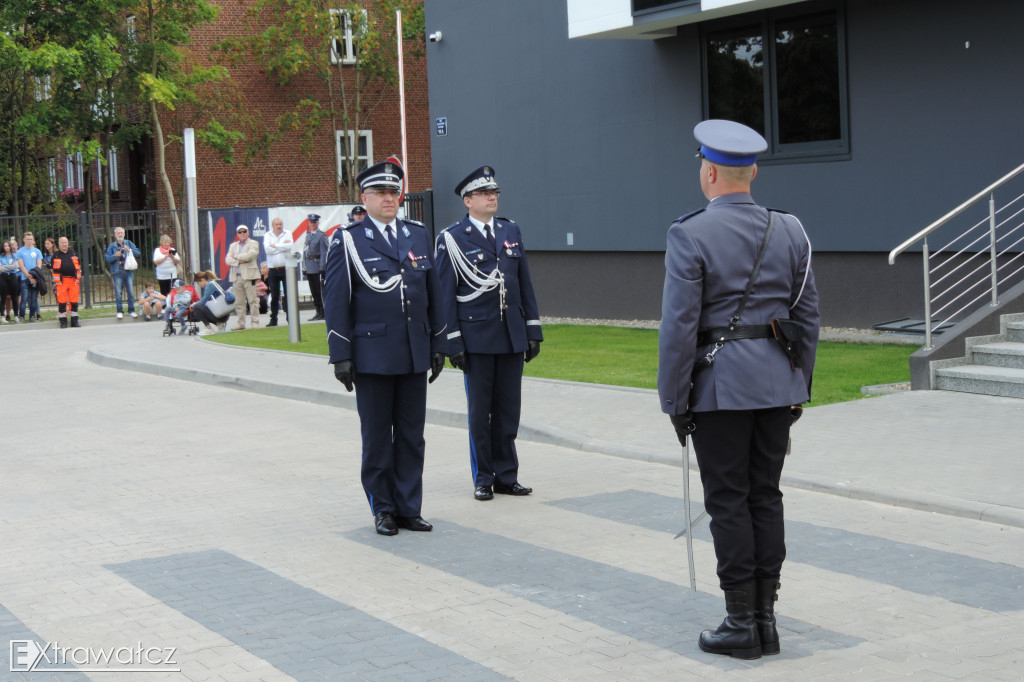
<point x="757" y="267"/>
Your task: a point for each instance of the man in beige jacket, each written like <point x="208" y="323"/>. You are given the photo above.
<point x="243" y="256"/>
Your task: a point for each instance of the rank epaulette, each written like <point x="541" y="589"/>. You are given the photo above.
<point x="688" y="215"/>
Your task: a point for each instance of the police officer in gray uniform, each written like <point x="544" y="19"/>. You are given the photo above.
<point x="734" y="378"/>
<point x="314" y="263"/>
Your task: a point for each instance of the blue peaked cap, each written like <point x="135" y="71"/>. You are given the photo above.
<point x="729" y="143"/>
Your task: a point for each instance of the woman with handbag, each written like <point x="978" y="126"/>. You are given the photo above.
<point x="215" y="306"/>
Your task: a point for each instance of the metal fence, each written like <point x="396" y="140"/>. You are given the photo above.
<point x="89" y="236"/>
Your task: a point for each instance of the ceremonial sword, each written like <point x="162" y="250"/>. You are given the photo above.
<point x="688" y="529"/>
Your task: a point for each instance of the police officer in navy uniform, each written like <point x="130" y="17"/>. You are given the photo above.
<point x="493" y="327"/>
<point x="314" y="263"/>
<point x="743" y="396"/>
<point x="385" y="329"/>
<point x="357" y="214"/>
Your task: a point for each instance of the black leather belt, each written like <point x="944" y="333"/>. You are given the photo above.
<point x="739" y="331"/>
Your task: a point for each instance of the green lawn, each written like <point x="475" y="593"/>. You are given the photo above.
<point x="629" y="357"/>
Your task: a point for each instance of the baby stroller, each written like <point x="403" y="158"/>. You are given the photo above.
<point x="190" y="326"/>
<point x="185" y="298"/>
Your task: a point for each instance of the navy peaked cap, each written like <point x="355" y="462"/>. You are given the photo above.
<point x="481" y="178"/>
<point x="384" y="174"/>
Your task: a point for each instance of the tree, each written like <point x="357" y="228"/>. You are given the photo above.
<point x="181" y="85"/>
<point x="350" y="48"/>
<point x="53" y="57"/>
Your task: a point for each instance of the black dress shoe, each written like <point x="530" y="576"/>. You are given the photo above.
<point x="272" y="323"/>
<point x="385" y="523"/>
<point x="483" y="492"/>
<point x="316" y="317"/>
<point x="414" y="523"/>
<point x="514" y="489"/>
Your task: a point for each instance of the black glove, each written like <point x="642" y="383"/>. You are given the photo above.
<point x="436" y="365"/>
<point x="684" y="426"/>
<point x="533" y="350"/>
<point x="343" y="372"/>
<point x="796" y="412"/>
<point x="458" y="361"/>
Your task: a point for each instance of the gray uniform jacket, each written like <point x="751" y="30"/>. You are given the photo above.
<point x="708" y="260"/>
<point x="314" y="253"/>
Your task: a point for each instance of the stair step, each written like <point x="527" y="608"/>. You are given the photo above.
<point x="909" y="325"/>
<point x="1001" y="381"/>
<point x="1015" y="331"/>
<point x="999" y="354"/>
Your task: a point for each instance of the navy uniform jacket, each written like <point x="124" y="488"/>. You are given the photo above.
<point x="314" y="252"/>
<point x="370" y="327"/>
<point x="708" y="260"/>
<point x="477" y="326"/>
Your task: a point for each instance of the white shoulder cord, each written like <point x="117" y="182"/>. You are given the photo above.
<point x="476" y="280"/>
<point x="390" y="284"/>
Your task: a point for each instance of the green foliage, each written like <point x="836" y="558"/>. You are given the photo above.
<point x="293" y="40"/>
<point x="621" y="356"/>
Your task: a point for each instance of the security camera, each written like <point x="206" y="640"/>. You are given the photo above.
<point x="435" y="37"/>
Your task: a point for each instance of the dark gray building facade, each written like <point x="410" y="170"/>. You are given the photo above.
<point x="881" y="116"/>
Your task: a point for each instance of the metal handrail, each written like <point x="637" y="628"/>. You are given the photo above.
<point x="992" y="255"/>
<point x="952" y="214"/>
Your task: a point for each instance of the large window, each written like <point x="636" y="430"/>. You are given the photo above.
<point x="363" y="156"/>
<point x="343" y="44"/>
<point x="112" y="165"/>
<point x="73" y="176"/>
<point x="784" y="76"/>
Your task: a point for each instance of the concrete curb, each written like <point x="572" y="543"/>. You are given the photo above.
<point x="553" y="435"/>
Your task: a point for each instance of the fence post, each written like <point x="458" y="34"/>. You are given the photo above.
<point x="83" y="224"/>
<point x="992" y="246"/>
<point x="927" y="297"/>
<point x="428" y="213"/>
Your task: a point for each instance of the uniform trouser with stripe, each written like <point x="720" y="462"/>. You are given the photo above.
<point x="494" y="398"/>
<point x="392" y="411"/>
<point x="740" y="454"/>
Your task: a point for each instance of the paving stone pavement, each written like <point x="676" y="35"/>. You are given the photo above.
<point x="142" y="509"/>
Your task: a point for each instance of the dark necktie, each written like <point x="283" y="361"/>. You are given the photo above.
<point x="393" y="240"/>
<point x="490" y="235"/>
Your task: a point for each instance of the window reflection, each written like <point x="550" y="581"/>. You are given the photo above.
<point x="736" y="77"/>
<point x="807" y="73"/>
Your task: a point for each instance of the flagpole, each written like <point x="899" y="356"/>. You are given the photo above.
<point x="401" y="95"/>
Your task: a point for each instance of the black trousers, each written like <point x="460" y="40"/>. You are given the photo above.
<point x="275" y="282"/>
<point x="203" y="314"/>
<point x="315" y="280"/>
<point x="740" y="454"/>
<point x="392" y="411"/>
<point x="494" y="388"/>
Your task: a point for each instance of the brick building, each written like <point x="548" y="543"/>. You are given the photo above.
<point x="285" y="175"/>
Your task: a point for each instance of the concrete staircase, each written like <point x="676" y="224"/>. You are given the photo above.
<point x="994" y="365"/>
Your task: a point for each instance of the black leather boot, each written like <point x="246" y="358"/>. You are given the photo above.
<point x="764" y="614"/>
<point x="63" y="323"/>
<point x="737" y="635"/>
